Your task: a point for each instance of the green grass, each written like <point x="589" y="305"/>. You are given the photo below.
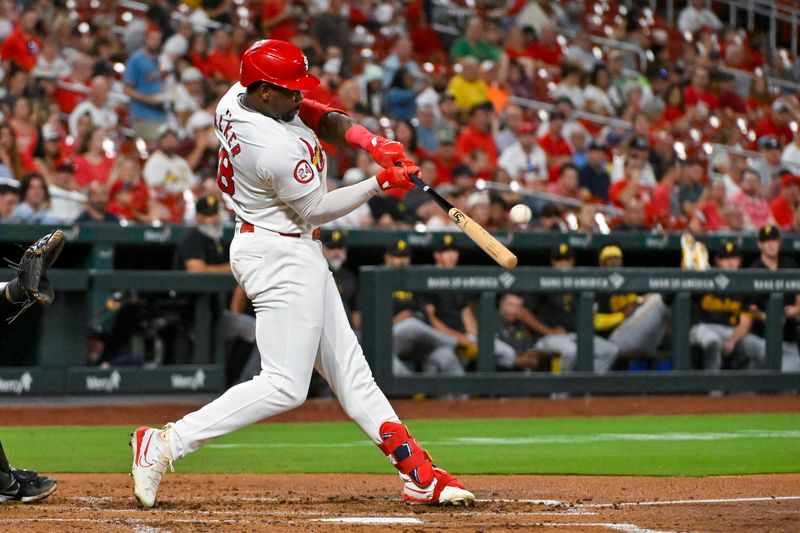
<point x="661" y="446"/>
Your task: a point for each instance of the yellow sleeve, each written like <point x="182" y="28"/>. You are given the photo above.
<point x="606" y="321"/>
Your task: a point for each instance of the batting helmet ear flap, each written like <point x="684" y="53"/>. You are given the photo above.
<point x="278" y="63"/>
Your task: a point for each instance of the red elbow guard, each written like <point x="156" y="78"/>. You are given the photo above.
<point x="312" y="111"/>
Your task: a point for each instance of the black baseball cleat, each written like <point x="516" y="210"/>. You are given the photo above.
<point x="31" y="285"/>
<point x="32" y="486"/>
<point x="9" y="487"/>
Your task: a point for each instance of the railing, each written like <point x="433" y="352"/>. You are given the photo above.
<point x="728" y="150"/>
<point x="777" y="12"/>
<point x="61" y="366"/>
<point x="591" y="117"/>
<point x="378" y="283"/>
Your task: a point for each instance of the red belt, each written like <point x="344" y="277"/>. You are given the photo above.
<point x="247" y="227"/>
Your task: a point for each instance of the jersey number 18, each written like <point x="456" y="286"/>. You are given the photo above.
<point x="225" y="173"/>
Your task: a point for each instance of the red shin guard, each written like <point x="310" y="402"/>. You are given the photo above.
<point x="406" y="455"/>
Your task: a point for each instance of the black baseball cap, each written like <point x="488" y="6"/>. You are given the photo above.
<point x="728" y="249"/>
<point x="640" y="143"/>
<point x="596" y="145"/>
<point x="562" y="251"/>
<point x="399" y="248"/>
<point x="445" y="242"/>
<point x="769" y="232"/>
<point x="334" y="239"/>
<point x="207" y="205"/>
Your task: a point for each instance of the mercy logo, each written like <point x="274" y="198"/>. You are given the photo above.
<point x="616" y="279"/>
<point x="16" y="386"/>
<point x="104" y="384"/>
<point x="191" y="382"/>
<point x="506" y="279"/>
<point x="722" y="281"/>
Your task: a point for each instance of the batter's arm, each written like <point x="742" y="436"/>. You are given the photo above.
<point x="334" y="126"/>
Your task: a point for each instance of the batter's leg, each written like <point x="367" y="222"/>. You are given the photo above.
<point x="284" y="283"/>
<point x="341" y="362"/>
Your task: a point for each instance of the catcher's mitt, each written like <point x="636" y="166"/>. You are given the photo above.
<point x="32" y="284"/>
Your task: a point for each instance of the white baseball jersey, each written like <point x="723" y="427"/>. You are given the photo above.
<point x="263" y="163"/>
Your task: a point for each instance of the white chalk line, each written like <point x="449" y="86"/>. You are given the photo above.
<point x="627" y="528"/>
<point x="366" y="519"/>
<point x="369" y="520"/>
<point x="689" y="502"/>
<point x="544" y="439"/>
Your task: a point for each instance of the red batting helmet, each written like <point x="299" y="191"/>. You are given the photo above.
<point x="278" y="63"/>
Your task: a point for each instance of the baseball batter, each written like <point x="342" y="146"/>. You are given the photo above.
<point x="273" y="168"/>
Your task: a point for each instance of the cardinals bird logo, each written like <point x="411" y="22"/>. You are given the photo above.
<point x="315" y="153"/>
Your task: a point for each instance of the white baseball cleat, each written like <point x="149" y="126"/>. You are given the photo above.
<point x="445" y="489"/>
<point x="151" y="458"/>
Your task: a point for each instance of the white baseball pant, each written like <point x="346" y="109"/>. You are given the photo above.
<point x="300" y="324"/>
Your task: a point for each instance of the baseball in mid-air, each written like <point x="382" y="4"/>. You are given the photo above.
<point x="520" y="214"/>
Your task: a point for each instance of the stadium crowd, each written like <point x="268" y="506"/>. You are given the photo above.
<point x="107" y="109"/>
<point x="600" y="117"/>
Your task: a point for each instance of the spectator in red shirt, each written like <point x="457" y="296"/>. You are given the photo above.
<point x="92" y="163"/>
<point x="22" y="44"/>
<point x="25" y="130"/>
<point x="708" y="217"/>
<point x="129" y="195"/>
<point x="69" y="97"/>
<point x="477" y="134"/>
<point x="697" y="95"/>
<point x="630" y="186"/>
<point x="776" y="122"/>
<point x="222" y="59"/>
<point x="676" y="105"/>
<point x="567" y="184"/>
<point x="554" y="145"/>
<point x="784" y="206"/>
<point x="634" y="216"/>
<point x="198" y="53"/>
<point x="279" y="18"/>
<point x="752" y="202"/>
<point x="546" y="48"/>
<point x="445" y="157"/>
<point x="729" y="99"/>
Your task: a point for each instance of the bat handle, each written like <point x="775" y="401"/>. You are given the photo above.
<point x="415" y="178"/>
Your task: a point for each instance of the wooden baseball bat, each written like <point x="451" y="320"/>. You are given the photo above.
<point x="474" y="231"/>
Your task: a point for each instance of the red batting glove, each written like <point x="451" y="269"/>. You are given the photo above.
<point x="385" y="152"/>
<point x="397" y="177"/>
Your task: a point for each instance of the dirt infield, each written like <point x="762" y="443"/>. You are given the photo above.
<point x="372" y="503"/>
<point x="336" y="503"/>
